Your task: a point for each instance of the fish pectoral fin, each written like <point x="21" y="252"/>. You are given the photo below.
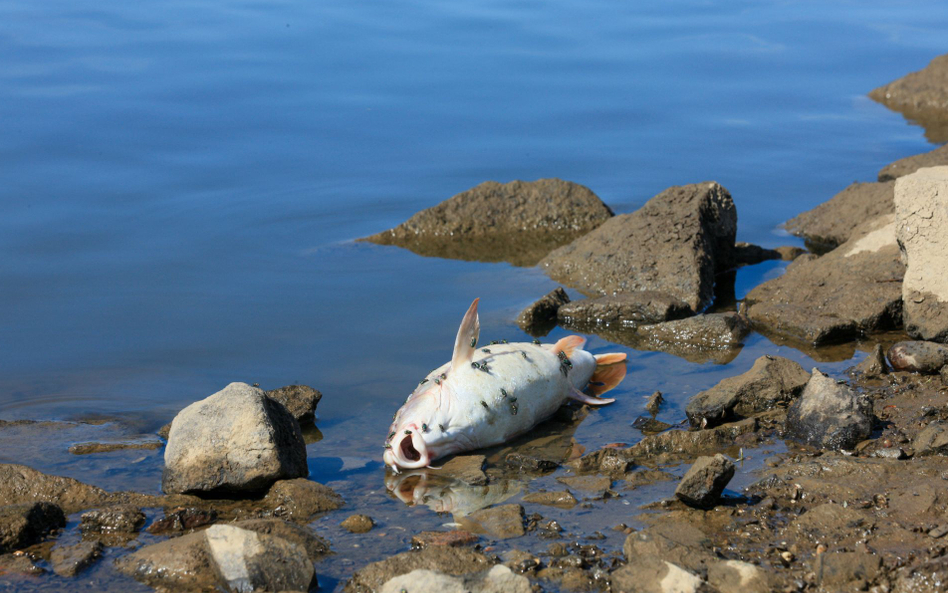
<point x="568" y="345"/>
<point x="466" y="341"/>
<point x="587" y="399"/>
<point x="606" y="376"/>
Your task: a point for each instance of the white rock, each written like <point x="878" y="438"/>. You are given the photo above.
<point x="248" y="561"/>
<point x="498" y="579"/>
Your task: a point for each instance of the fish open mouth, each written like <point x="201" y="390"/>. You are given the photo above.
<point x="408" y="450"/>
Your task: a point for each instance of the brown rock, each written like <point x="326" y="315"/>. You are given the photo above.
<point x="540" y="317"/>
<point x="832" y="223"/>
<point x="113" y="519"/>
<point x="25" y="524"/>
<point x="503" y="522"/>
<point x="704" y="482"/>
<point x="829" y="415"/>
<point x="674" y="244"/>
<point x="748" y="254"/>
<point x="918" y="356"/>
<point x="734" y="575"/>
<point x="315" y="546"/>
<point x="183" y="519"/>
<point x="68" y="561"/>
<point x="685" y="444"/>
<point x="300" y="499"/>
<point x="181" y="563"/>
<point x="19" y="564"/>
<point x="453" y="538"/>
<point x="671" y="541"/>
<point x="911" y="164"/>
<point x="449" y="560"/>
<point x="466" y="468"/>
<point x="107" y="447"/>
<point x="646" y="574"/>
<point x="594" y="486"/>
<point x="358" y="524"/>
<point x="701" y="336"/>
<point x="654" y="403"/>
<point x="299" y="400"/>
<point x="874" y="365"/>
<point x="561" y="499"/>
<point x="921" y="97"/>
<point x="628" y="308"/>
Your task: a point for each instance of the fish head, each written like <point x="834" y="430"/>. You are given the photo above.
<point x="421" y="431"/>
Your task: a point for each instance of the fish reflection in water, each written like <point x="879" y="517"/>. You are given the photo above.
<point x="448" y="495"/>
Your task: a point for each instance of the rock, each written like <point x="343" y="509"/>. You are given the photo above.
<point x="646" y="477"/>
<point x="498" y="579"/>
<point x="829" y="415"/>
<point x="654" y="403"/>
<point x="925" y="577"/>
<point x="609" y="461"/>
<point x="457" y="537"/>
<point x="315" y="546"/>
<point x="674" y="245"/>
<point x="561" y="499"/>
<point x="19" y="564"/>
<point x="840" y="569"/>
<point x="450" y="560"/>
<point x="771" y="382"/>
<point x="299" y="400"/>
<point x="734" y="575"/>
<point x="671" y="541"/>
<point x="466" y="468"/>
<point x="358" y="524"/>
<point x="113" y="519"/>
<point x="523" y="462"/>
<point x="684" y="444"/>
<point x="647" y="424"/>
<point x="237" y="440"/>
<point x="652" y="575"/>
<point x="873" y="365"/>
<point x="300" y="499"/>
<point x="103" y="447"/>
<point x="180" y="563"/>
<point x="627" y="308"/>
<point x="911" y="164"/>
<point x="921" y="97"/>
<point x="851" y="291"/>
<point x="932" y="440"/>
<point x="25" y="524"/>
<point x="183" y="519"/>
<point x="918" y="356"/>
<point x="503" y="522"/>
<point x="540" y="317"/>
<point x="164" y="431"/>
<point x="944" y="375"/>
<point x="594" y="486"/>
<point x="921" y="212"/>
<point x="705" y="481"/>
<point x="748" y="254"/>
<point x="693" y="335"/>
<point x="790" y="252"/>
<point x="519" y="222"/>
<point x="68" y="561"/>
<point x="250" y="561"/>
<point x="832" y="223"/>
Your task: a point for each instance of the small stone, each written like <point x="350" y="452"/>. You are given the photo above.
<point x="116" y="519"/>
<point x="594" y="486"/>
<point x="562" y="499"/>
<point x="650" y="425"/>
<point x="918" y="356"/>
<point x="456" y="537"/>
<point x="522" y="462"/>
<point x="358" y="524"/>
<point x="873" y="365"/>
<point x="183" y="519"/>
<point x="937" y="532"/>
<point x="703" y="484"/>
<point x="654" y="403"/>
<point x="68" y="561"/>
<point x="300" y="499"/>
<point x="932" y="440"/>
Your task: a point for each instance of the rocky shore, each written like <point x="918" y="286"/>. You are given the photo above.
<point x="781" y="478"/>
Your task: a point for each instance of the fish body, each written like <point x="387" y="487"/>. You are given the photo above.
<point x="486" y="396"/>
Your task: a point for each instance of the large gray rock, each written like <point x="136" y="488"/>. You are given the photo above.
<point x="911" y="164"/>
<point x="918" y="357"/>
<point x="498" y="579"/>
<point x="519" y="222"/>
<point x="829" y="415"/>
<point x="23" y="525"/>
<point x="832" y="223"/>
<point x="248" y="561"/>
<point x="674" y="244"/>
<point x="921" y="97"/>
<point x="235" y="440"/>
<point x="704" y="482"/>
<point x="446" y="559"/>
<point x="299" y="400"/>
<point x="851" y="291"/>
<point x="772" y="381"/>
<point x="630" y="308"/>
<point x="921" y="211"/>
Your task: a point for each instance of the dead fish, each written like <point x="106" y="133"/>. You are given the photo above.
<point x="473" y="409"/>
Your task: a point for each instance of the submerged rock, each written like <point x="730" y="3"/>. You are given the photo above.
<point x="25" y="524"/>
<point x="562" y="499"/>
<point x="113" y="519"/>
<point x="674" y="244"/>
<point x="503" y="522"/>
<point x="921" y="97"/>
<point x="108" y="447"/>
<point x="250" y="561"/>
<point x="921" y="211"/>
<point x="918" y="356"/>
<point x="358" y="524"/>
<point x="181" y="563"/>
<point x="654" y="403"/>
<point x="466" y="468"/>
<point x="540" y="317"/>
<point x="911" y="164"/>
<point x="519" y="222"/>
<point x="772" y="381"/>
<point x="456" y="537"/>
<point x="300" y="499"/>
<point x="494" y="580"/>
<point x="447" y="559"/>
<point x="691" y="336"/>
<point x="68" y="561"/>
<point x="851" y="291"/>
<point x="630" y="308"/>
<point x="748" y="254"/>
<point x="829" y="415"/>
<point x="686" y="444"/>
<point x="299" y="400"/>
<point x="832" y="223"/>
<point x="703" y="484"/>
<point x="236" y="440"/>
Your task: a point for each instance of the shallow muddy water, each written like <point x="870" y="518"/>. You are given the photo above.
<point x="182" y="184"/>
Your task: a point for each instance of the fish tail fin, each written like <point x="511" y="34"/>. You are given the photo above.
<point x="466" y="341"/>
<point x="569" y="344"/>
<point x="607" y="375"/>
<point x="612" y="358"/>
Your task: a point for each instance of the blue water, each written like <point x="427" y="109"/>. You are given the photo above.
<point x="181" y="182"/>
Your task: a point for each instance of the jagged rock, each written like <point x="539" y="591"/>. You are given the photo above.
<point x="25" y="524"/>
<point x="644" y="574"/>
<point x="562" y="499"/>
<point x="498" y="579"/>
<point x="921" y="97"/>
<point x="693" y="335"/>
<point x="250" y="561"/>
<point x="654" y="403"/>
<point x="674" y="245"/>
<point x="832" y="223"/>
<point x="522" y="462"/>
<point x="686" y="444"/>
<point x="772" y="381"/>
<point x="829" y="415"/>
<point x="918" y="356"/>
<point x="68" y="561"/>
<point x="540" y="317"/>
<point x="19" y="564"/>
<point x="299" y="400"/>
<point x="873" y="365"/>
<point x="703" y="484"/>
<point x="932" y="440"/>
<point x="851" y="291"/>
<point x="911" y="164"/>
<point x="113" y="519"/>
<point x="358" y="524"/>
<point x="519" y="222"/>
<point x="921" y="212"/>
<point x="628" y="308"/>
<point x="503" y="522"/>
<point x="236" y="440"/>
<point x="447" y="559"/>
<point x="183" y="519"/>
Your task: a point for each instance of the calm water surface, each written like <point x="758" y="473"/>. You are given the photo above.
<point x="182" y="183"/>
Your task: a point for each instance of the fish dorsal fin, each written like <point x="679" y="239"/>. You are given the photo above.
<point x="569" y="344"/>
<point x="466" y="341"/>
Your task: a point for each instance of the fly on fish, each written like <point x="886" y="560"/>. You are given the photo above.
<point x="487" y="397"/>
